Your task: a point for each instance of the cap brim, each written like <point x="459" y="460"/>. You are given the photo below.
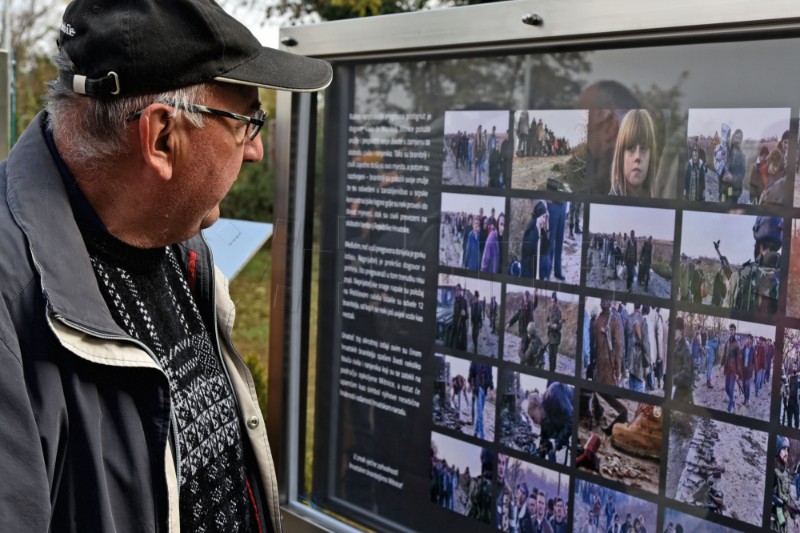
<point x="276" y="69"/>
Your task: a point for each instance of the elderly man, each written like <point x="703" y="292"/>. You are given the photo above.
<point x="125" y="406"/>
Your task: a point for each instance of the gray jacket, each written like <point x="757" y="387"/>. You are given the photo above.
<point x="86" y="442"/>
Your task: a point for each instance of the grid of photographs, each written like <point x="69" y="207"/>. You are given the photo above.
<point x="642" y="315"/>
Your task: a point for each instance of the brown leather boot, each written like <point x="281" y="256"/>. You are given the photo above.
<point x="642" y="436"/>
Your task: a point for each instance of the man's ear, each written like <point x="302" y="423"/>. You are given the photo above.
<point x="157" y="128"/>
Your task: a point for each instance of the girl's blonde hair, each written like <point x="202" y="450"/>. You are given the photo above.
<point x="637" y="128"/>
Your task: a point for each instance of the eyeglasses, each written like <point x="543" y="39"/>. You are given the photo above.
<point x="254" y="122"/>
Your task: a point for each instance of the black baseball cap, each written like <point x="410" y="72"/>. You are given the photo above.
<point x="134" y="47"/>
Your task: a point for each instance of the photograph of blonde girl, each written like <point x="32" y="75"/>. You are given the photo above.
<point x="633" y="169"/>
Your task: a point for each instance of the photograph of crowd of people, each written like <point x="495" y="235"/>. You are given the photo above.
<point x="717" y="466"/>
<point x="624" y="154"/>
<point x="723" y="364"/>
<point x="461" y="477"/>
<point x="551" y="150"/>
<point x="536" y="416"/>
<point x="620" y="439"/>
<point x="625" y="344"/>
<point x="630" y="249"/>
<point x="530" y="498"/>
<point x="464" y="396"/>
<point x="737" y="156"/>
<point x="478" y="150"/>
<point x="785" y="509"/>
<point x="467" y="314"/>
<point x="790" y="379"/>
<point x="541" y="329"/>
<point x="678" y="522"/>
<point x="471" y="232"/>
<point x="600" y="509"/>
<point x="793" y="287"/>
<point x="733" y="263"/>
<point x="544" y="239"/>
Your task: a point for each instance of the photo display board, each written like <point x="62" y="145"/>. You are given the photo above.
<point x="562" y="287"/>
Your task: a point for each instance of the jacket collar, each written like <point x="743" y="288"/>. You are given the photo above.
<point x="40" y="205"/>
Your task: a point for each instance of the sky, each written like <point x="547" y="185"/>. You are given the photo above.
<point x="755" y="123"/>
<point x="734" y="231"/>
<point x="470" y="203"/>
<point x="565" y="123"/>
<point x="660" y="223"/>
<point x="455" y="121"/>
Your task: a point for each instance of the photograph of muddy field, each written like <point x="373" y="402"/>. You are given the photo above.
<point x="621" y="440"/>
<point x="717" y="466"/>
<point x="598" y="506"/>
<point x="521" y="210"/>
<point x="714" y="261"/>
<point x="470" y="140"/>
<point x="750" y="394"/>
<point x="610" y="261"/>
<point x="460" y="471"/>
<point x="456" y="396"/>
<point x="545" y="434"/>
<point x="738" y="145"/>
<point x="550" y="151"/>
<point x="515" y="344"/>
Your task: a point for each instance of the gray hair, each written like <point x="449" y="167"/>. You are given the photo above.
<point x="92" y="130"/>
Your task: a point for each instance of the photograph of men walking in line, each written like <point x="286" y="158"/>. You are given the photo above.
<point x="630" y="249"/>
<point x="550" y="151"/>
<point x="736" y="156"/>
<point x="476" y="145"/>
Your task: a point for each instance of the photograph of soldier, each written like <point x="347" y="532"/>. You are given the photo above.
<point x="627" y="344"/>
<point x="551" y="155"/>
<point x="630" y="249"/>
<point x="734" y="262"/>
<point x="461" y="477"/>
<point x="464" y="396"/>
<point x="729" y="364"/>
<point x="551" y="343"/>
<point x="741" y="156"/>
<point x="620" y="439"/>
<point x="790" y="379"/>
<point x="678" y="522"/>
<point x="598" y="509"/>
<point x="536" y="416"/>
<point x="785" y="504"/>
<point x="540" y="245"/>
<point x="520" y="487"/>
<point x="717" y="466"/>
<point x="476" y="143"/>
<point x="466" y="314"/>
<point x="471" y="232"/>
<point x="793" y="286"/>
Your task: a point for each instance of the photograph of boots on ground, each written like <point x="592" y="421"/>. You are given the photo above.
<point x="600" y="509"/>
<point x="630" y="249"/>
<point x="620" y="439"/>
<point x="731" y="261"/>
<point x="717" y="466"/>
<point x="536" y="416"/>
<point x="551" y="150"/>
<point x="724" y="364"/>
<point x="625" y="344"/>
<point x="541" y="329"/>
<point x="464" y="396"/>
